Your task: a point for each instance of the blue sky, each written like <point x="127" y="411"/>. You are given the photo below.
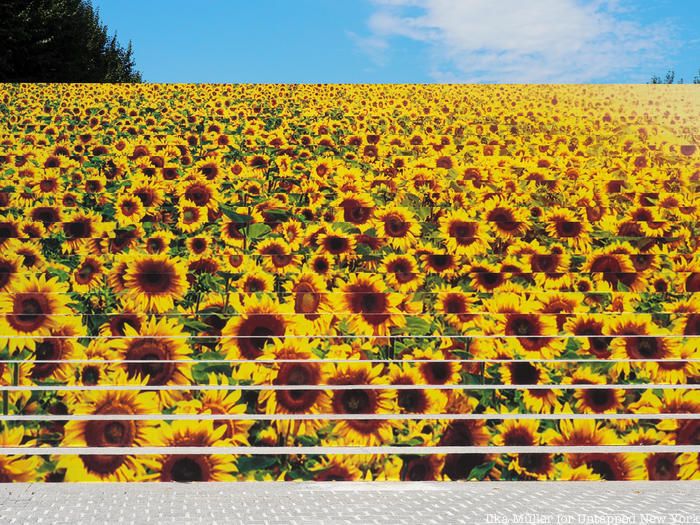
<point x="408" y="40"/>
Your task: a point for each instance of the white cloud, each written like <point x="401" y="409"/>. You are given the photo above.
<point x="519" y="40"/>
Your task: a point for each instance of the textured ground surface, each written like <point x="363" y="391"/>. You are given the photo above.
<point x="338" y="503"/>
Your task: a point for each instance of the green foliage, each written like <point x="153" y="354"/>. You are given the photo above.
<point x="60" y="41"/>
<point x="670" y="78"/>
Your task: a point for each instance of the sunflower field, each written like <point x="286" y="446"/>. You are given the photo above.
<point x="335" y="282"/>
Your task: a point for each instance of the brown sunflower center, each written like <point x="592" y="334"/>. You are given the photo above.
<point x="662" y="467"/>
<point x="157" y="352"/>
<point x="306" y="300"/>
<point x="47" y="350"/>
<point x="644" y="348"/>
<point x="402" y="270"/>
<point x="463" y="232"/>
<point x="356" y="401"/>
<point x="412" y="400"/>
<point x="440" y="262"/>
<point x="455" y="304"/>
<point x="257" y="331"/>
<point x="436" y="372"/>
<point x="524" y="373"/>
<point x="518" y="437"/>
<point x="155" y="277"/>
<point x="692" y="283"/>
<point x="354" y="212"/>
<point x="118" y="323"/>
<point x="77" y="229"/>
<point x="371" y="304"/>
<point x="504" y="219"/>
<point x="297" y="374"/>
<point x="336" y="244"/>
<point x="198" y="194"/>
<point x="30" y="310"/>
<point x="185" y="469"/>
<point x="90" y="375"/>
<point x="600" y="399"/>
<point x="568" y="228"/>
<point x="395" y="225"/>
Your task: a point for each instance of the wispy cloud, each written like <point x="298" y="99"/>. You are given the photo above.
<point x="518" y="40"/>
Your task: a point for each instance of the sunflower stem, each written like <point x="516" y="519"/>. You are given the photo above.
<point x="228" y="288"/>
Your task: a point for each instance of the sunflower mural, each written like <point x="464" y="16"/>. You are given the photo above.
<point x="291" y="282"/>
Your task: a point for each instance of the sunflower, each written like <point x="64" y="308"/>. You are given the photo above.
<point x="199" y="192"/>
<point x="148" y="190"/>
<point x="161" y="342"/>
<point x="419" y="400"/>
<point x="462" y="233"/>
<point x="88" y="275"/>
<point x="566" y="472"/>
<point x="539" y="400"/>
<point x="233" y="232"/>
<point x="456" y="306"/>
<point x="220" y="402"/>
<point x="357" y="208"/>
<point x="9" y="230"/>
<point x="469" y="432"/>
<point x="10" y="270"/>
<point x="594" y="400"/>
<point x="321" y="264"/>
<point x="199" y="246"/>
<point x="689" y="465"/>
<point x="336" y="468"/>
<point x="296" y="370"/>
<point x="675" y="372"/>
<point x="613" y="268"/>
<point x="443" y="264"/>
<point x="505" y="219"/>
<point x="361" y="401"/>
<point x="31" y="256"/>
<point x="61" y="345"/>
<point x="129" y="210"/>
<point x="17" y="468"/>
<point x="277" y="256"/>
<point x="398" y="226"/>
<point x="638" y="338"/>
<point x="580" y="432"/>
<point x="662" y="466"/>
<point x="80" y="227"/>
<point x="108" y="433"/>
<point x="564" y="226"/>
<point x="191" y="218"/>
<point x="435" y="367"/>
<point x="96" y="371"/>
<point x="311" y="299"/>
<point x="421" y="468"/>
<point x="117" y="322"/>
<point x="337" y="243"/>
<point x="592" y="327"/>
<point x="367" y="305"/>
<point x="256" y="280"/>
<point x="259" y="321"/>
<point x="402" y="273"/>
<point x="31" y="310"/>
<point x="194" y="466"/>
<point x="521" y="322"/>
<point x="611" y="467"/>
<point x="524" y="432"/>
<point x="154" y="282"/>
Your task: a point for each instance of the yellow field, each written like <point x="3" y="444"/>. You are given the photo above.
<point x="264" y="265"/>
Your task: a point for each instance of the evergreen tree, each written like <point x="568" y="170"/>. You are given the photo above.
<point x="60" y="41"/>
